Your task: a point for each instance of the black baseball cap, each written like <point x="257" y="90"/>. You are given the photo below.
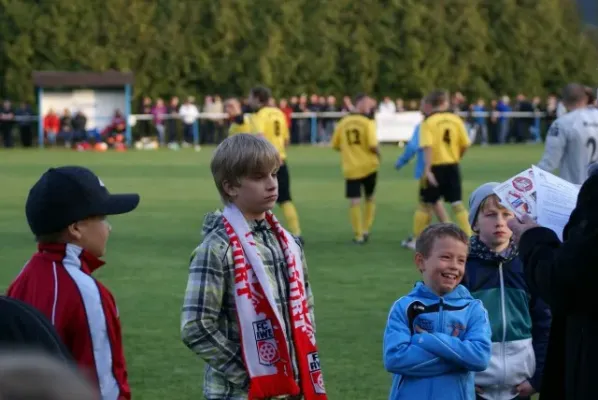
<point x="65" y="195"/>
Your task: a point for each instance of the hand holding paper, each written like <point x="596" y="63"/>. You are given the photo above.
<point x="518" y="227"/>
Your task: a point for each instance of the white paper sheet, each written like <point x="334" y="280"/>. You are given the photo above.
<point x="519" y="194"/>
<point x="556" y="199"/>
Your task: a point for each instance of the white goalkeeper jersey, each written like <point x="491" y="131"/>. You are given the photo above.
<point x="572" y="144"/>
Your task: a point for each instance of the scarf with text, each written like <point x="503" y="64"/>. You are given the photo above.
<point x="264" y="343"/>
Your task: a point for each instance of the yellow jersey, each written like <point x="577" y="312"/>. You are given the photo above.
<point x="355" y="137"/>
<point x="446" y="135"/>
<point x="272" y="123"/>
<point x="239" y="125"/>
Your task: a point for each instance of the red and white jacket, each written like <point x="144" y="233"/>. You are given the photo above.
<point x="57" y="281"/>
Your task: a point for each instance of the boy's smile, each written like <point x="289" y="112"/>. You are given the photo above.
<point x="444" y="267"/>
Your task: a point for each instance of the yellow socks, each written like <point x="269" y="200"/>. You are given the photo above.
<point x="462" y="217"/>
<point x="370" y="211"/>
<point x="421" y="219"/>
<point x="291" y="217"/>
<point x="355" y="213"/>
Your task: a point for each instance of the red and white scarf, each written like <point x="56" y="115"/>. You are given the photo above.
<point x="263" y="338"/>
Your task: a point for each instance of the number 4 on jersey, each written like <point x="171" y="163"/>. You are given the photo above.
<point x="446" y="138"/>
<point x="277" y="128"/>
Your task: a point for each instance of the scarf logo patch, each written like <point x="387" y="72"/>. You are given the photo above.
<point x="266" y="344"/>
<point x="316" y="373"/>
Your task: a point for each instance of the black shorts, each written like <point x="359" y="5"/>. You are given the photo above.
<point x="284" y="184"/>
<point x="353" y="186"/>
<point x="449" y="185"/>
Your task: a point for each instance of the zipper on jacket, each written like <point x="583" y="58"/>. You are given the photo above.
<point x="401" y="380"/>
<point x="441" y="316"/>
<point x="504" y="323"/>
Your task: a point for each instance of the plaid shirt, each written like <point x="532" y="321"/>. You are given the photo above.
<point x="209" y="324"/>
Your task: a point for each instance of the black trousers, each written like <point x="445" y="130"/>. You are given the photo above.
<point x="7" y="139"/>
<point x="26" y="135"/>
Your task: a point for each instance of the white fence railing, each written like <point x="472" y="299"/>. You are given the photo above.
<point x="392" y="127"/>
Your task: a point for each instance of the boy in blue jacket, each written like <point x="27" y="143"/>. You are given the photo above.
<point x="423" y="214"/>
<point x="438" y="334"/>
<point x="520" y="322"/>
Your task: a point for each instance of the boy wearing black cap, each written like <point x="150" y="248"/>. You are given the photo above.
<point x="66" y="211"/>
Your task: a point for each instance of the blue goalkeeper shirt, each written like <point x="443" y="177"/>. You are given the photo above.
<point x="411" y="150"/>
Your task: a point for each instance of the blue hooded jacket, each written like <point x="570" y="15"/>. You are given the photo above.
<point x="441" y="362"/>
<point x="411" y="149"/>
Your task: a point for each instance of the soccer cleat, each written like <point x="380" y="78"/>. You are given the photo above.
<point x="358" y="241"/>
<point x="366" y="236"/>
<point x="409" y="243"/>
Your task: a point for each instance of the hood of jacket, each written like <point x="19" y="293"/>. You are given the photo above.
<point x="212" y="221"/>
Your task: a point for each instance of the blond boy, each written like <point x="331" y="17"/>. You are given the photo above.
<point x="520" y="321"/>
<point x="248" y="308"/>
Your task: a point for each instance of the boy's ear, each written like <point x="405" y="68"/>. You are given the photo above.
<point x="419" y="261"/>
<point x="475" y="227"/>
<point x="230" y="190"/>
<point x="73" y="231"/>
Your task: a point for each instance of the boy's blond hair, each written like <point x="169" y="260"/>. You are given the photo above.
<point x="425" y="242"/>
<point x="492" y="200"/>
<point x="239" y="156"/>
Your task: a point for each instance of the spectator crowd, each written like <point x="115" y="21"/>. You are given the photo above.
<point x="172" y="123"/>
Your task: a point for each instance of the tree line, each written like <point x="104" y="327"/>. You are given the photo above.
<point x="401" y="48"/>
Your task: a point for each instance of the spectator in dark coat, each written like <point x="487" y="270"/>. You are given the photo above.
<point x="564" y="275"/>
<point x="6" y="123"/>
<point x="24" y="327"/>
<point x="25" y="123"/>
<point x="523" y="124"/>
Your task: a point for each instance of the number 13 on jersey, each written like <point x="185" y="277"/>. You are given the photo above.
<point x="353" y="137"/>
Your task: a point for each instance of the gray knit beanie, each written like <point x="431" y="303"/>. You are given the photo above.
<point x="477" y="197"/>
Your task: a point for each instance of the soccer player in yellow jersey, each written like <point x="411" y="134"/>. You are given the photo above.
<point x="272" y="124"/>
<point x="355" y="138"/>
<point x="239" y="123"/>
<point x="444" y="140"/>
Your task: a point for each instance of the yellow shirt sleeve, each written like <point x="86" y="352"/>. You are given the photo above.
<point x="425" y="136"/>
<point x="336" y="138"/>
<point x="286" y="134"/>
<point x="371" y="134"/>
<point x="235" y="128"/>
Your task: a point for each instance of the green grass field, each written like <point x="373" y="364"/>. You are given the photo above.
<point x="149" y="251"/>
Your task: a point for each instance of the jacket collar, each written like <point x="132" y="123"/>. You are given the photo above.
<point x="61" y="251"/>
<point x="480" y="250"/>
<point x="459" y="293"/>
